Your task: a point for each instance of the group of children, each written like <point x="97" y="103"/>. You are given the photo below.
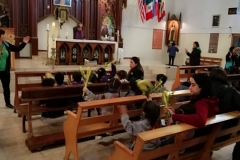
<point x="151" y="110"/>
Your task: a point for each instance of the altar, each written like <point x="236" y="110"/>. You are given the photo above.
<point x="74" y="51"/>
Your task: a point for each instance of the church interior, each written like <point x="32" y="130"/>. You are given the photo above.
<point x="84" y="37"/>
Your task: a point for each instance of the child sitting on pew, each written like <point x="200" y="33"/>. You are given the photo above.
<point x="77" y="78"/>
<point x="49" y="82"/>
<point x="150" y="120"/>
<point x="183" y="86"/>
<point x="134" y="90"/>
<point x="122" y="76"/>
<point x="113" y="92"/>
<point x="103" y="76"/>
<point x="59" y="78"/>
<point x="163" y="78"/>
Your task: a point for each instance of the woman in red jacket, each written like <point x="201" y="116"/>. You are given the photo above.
<point x="203" y="104"/>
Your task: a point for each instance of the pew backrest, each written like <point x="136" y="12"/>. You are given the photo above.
<point x="185" y="72"/>
<point x="179" y="131"/>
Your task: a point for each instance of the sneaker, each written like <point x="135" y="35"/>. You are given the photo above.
<point x="9" y="105"/>
<point x="98" y="137"/>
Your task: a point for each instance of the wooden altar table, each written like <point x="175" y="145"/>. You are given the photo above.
<point x="74" y="51"/>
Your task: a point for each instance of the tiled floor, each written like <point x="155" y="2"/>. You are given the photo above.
<point x="12" y="140"/>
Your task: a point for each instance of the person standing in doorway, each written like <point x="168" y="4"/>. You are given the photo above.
<point x="172" y="53"/>
<point x="5" y="63"/>
<point x="78" y="32"/>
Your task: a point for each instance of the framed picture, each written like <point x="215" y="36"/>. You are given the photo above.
<point x="62" y="13"/>
<point x="232" y="11"/>
<point x="216" y="21"/>
<point x="66" y="3"/>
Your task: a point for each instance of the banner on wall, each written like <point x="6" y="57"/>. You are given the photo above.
<point x="157" y="39"/>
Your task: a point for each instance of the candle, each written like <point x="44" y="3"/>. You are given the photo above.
<point x="66" y="34"/>
<point x="53" y="43"/>
<point x="117" y="32"/>
<point x="48" y="27"/>
<point x="53" y="29"/>
<point x="106" y="36"/>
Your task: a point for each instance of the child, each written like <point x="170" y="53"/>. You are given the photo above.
<point x="52" y="103"/>
<point x="163" y="78"/>
<point x="134" y="90"/>
<point x="122" y="76"/>
<point x="77" y="78"/>
<point x="114" y="86"/>
<point x="184" y="86"/>
<point x="149" y="121"/>
<point x="59" y="78"/>
<point x="102" y="75"/>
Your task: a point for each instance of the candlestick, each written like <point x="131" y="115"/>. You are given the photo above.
<point x="118" y="35"/>
<point x="59" y="34"/>
<point x="48" y="27"/>
<point x="53" y="43"/>
<point x="47" y="42"/>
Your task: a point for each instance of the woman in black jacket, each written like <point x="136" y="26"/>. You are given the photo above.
<point x="136" y="71"/>
<point x="228" y="101"/>
<point x="5" y="63"/>
<point x="194" y="57"/>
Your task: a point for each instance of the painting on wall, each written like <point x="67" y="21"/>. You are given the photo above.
<point x="66" y="3"/>
<point x="216" y="21"/>
<point x="107" y="28"/>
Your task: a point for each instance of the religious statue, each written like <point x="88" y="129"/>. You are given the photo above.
<point x="172" y="34"/>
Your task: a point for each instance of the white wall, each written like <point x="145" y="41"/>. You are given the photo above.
<point x="42" y="34"/>
<point x="197" y="25"/>
<point x="137" y="36"/>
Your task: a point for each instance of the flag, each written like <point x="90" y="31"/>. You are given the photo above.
<point x="149" y="9"/>
<point x="142" y="9"/>
<point x="155" y="8"/>
<point x="161" y="13"/>
<point x="238" y="8"/>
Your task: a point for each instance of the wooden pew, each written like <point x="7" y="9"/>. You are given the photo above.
<point x="43" y="93"/>
<point x="179" y="131"/>
<point x="181" y="73"/>
<point x="207" y="61"/>
<point x="76" y="126"/>
<point x="34" y="74"/>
